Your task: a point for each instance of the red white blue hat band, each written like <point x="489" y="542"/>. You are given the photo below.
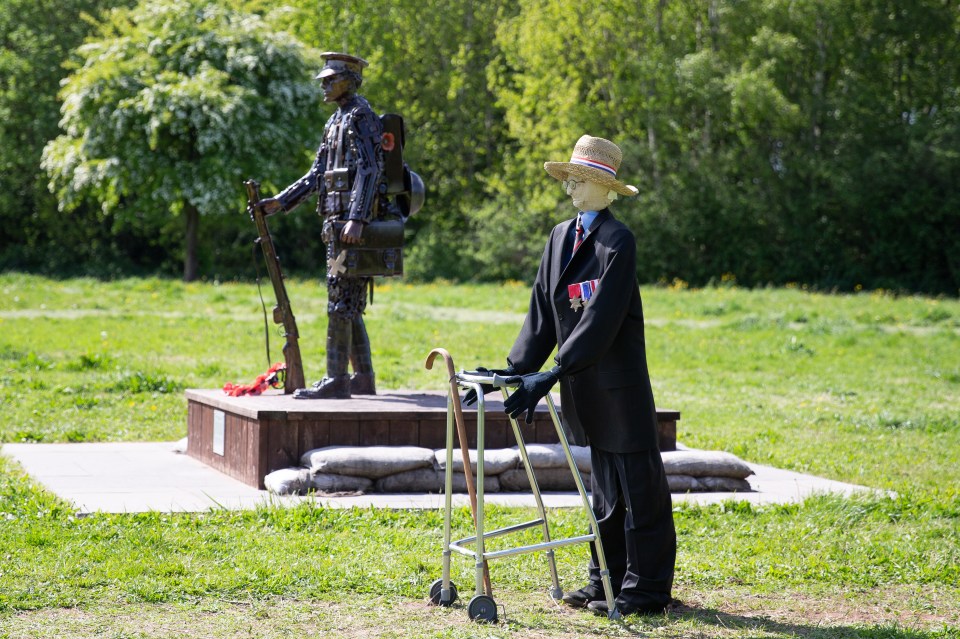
<point x="593" y="160"/>
<point x="593" y="163"/>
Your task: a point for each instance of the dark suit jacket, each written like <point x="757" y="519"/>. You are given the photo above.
<point x="604" y="383"/>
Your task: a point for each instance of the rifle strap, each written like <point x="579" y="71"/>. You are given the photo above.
<point x="266" y="324"/>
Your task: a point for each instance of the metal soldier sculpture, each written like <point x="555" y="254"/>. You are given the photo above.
<point x="348" y="173"/>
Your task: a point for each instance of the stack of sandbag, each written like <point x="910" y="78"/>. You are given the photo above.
<point x="691" y="471"/>
<point x="551" y="469"/>
<point x="339" y="470"/>
<point x="431" y="480"/>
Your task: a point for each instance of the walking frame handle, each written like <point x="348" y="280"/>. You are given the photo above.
<point x="494" y="379"/>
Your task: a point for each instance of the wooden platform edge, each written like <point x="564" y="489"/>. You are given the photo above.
<point x="249" y="437"/>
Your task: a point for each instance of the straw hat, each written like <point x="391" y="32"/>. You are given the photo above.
<point x="594" y="160"/>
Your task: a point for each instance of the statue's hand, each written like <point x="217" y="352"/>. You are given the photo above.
<point x="269" y="206"/>
<point x="351" y="232"/>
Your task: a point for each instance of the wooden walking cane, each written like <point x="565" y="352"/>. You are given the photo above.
<point x="464" y="448"/>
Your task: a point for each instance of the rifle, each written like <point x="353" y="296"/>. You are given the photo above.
<point x="282" y="313"/>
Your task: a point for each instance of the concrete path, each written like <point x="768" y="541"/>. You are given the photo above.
<point x="140" y="477"/>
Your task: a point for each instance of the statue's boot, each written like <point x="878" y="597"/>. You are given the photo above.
<point x="362" y="384"/>
<point x="362" y="381"/>
<point x="336" y="384"/>
<point x="337" y="387"/>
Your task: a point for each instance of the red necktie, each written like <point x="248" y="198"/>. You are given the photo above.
<point x="579" y="237"/>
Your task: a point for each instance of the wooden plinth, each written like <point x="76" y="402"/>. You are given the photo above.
<point x="249" y="437"/>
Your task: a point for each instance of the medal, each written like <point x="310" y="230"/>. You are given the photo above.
<point x="581" y="293"/>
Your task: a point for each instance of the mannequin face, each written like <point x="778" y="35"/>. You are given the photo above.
<point x="335" y="87"/>
<point x="588" y="196"/>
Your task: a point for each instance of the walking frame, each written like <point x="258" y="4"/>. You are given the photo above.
<point x="443" y="591"/>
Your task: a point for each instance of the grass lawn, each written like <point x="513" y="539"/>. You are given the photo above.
<point x="861" y="388"/>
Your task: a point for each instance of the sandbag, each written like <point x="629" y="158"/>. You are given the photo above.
<point x="547" y="479"/>
<point x="288" y="481"/>
<point x="420" y="480"/>
<point x="683" y="484"/>
<point x="704" y="463"/>
<point x="725" y="484"/>
<point x="330" y="483"/>
<point x="180" y="446"/>
<point x="367" y="461"/>
<point x="495" y="461"/>
<point x="551" y="456"/>
<point x="424" y="480"/>
<point x="690" y="484"/>
<point x="491" y="483"/>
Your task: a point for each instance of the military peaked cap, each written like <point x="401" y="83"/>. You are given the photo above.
<point x="335" y="63"/>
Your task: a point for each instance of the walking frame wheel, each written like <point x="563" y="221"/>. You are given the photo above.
<point x="482" y="608"/>
<point x="436" y="593"/>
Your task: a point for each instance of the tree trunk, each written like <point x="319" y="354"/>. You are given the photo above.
<point x="190" y="261"/>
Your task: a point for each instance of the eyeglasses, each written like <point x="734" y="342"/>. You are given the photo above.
<point x="571" y="185"/>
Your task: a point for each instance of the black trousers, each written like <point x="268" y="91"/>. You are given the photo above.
<point x="634" y="511"/>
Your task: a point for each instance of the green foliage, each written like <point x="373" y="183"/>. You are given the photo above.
<point x="172" y="105"/>
<point x="36" y="36"/>
<point x="773" y="141"/>
<point x="140" y="382"/>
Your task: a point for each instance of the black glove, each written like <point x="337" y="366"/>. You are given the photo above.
<point x="533" y="387"/>
<point x="471" y="397"/>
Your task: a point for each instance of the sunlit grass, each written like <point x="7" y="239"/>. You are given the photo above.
<point x="861" y="388"/>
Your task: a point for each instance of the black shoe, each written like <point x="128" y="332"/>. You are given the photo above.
<point x="337" y="387"/>
<point x="600" y="607"/>
<point x="582" y="598"/>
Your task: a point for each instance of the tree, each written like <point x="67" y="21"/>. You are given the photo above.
<point x="172" y="104"/>
<point x="566" y="70"/>
<point x="36" y="36"/>
<point x="779" y="141"/>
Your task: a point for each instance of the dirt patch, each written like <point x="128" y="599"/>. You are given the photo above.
<point x="900" y="613"/>
<point x="908" y="607"/>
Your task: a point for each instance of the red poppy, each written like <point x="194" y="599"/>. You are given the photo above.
<point x="388" y="142"/>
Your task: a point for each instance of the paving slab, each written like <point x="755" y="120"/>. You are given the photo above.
<point x="141" y="477"/>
